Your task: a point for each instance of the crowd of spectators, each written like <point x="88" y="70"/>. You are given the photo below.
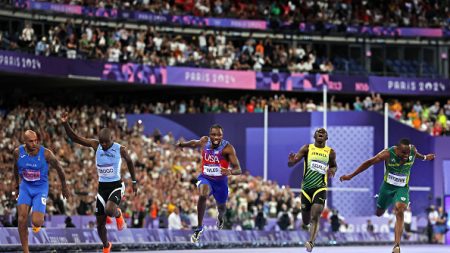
<point x="208" y="50"/>
<point x="431" y="118"/>
<point x="414" y="13"/>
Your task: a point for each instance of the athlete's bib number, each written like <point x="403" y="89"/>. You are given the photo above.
<point x="319" y="167"/>
<point x="397" y="180"/>
<point x="212" y="170"/>
<point x="31" y="175"/>
<point x="105" y="171"/>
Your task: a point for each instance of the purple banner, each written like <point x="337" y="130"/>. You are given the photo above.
<point x="380" y="30"/>
<point x="146" y="16"/>
<point x="410" y="86"/>
<point x="65" y="8"/>
<point x="134" y="73"/>
<point x="51" y="66"/>
<point x="214" y="78"/>
<point x="236" y="23"/>
<point x="217" y="78"/>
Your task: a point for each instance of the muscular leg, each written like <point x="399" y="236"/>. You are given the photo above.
<point x="399" y="209"/>
<point x="111" y="209"/>
<point x="316" y="211"/>
<point x="306" y="217"/>
<point x="37" y="219"/>
<point x="201" y="204"/>
<point x="101" y="229"/>
<point x="221" y="208"/>
<point x="23" y="211"/>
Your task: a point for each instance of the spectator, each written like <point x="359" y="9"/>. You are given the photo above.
<point x="335" y="221"/>
<point x="370" y="228"/>
<point x="433" y="217"/>
<point x="175" y="220"/>
<point x="440" y="228"/>
<point x="260" y="219"/>
<point x="407" y="219"/>
<point x="68" y="222"/>
<point x="285" y="219"/>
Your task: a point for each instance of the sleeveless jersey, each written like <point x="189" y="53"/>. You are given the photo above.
<point x="316" y="167"/>
<point x="398" y="174"/>
<point x="213" y="160"/>
<point x="108" y="163"/>
<point x="33" y="169"/>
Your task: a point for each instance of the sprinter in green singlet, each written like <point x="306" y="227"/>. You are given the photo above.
<point x="320" y="162"/>
<point x="395" y="188"/>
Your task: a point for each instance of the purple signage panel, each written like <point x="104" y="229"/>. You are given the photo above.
<point x="214" y="78"/>
<point x="409" y="86"/>
<point x="28" y="63"/>
<point x="64" y="8"/>
<point x="237" y="23"/>
<point x="423" y="32"/>
<point x="335" y="83"/>
<point x="146" y="16"/>
<point x="134" y="73"/>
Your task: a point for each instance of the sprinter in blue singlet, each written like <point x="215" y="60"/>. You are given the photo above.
<point x="108" y="160"/>
<point x="217" y="156"/>
<point x="31" y="163"/>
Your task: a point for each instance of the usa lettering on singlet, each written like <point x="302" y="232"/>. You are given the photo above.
<point x="33" y="169"/>
<point x="108" y="163"/>
<point x="213" y="160"/>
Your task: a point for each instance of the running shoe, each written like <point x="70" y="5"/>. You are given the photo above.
<point x="309" y="246"/>
<point x="107" y="249"/>
<point x="120" y="221"/>
<point x="197" y="233"/>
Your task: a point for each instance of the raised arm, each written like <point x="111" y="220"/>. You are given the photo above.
<point x="193" y="143"/>
<point x="295" y="158"/>
<point x="91" y="143"/>
<point x="428" y="157"/>
<point x="380" y="157"/>
<point x="130" y="166"/>
<point x="54" y="163"/>
<point x="332" y="164"/>
<point x="16" y="169"/>
<point x="233" y="160"/>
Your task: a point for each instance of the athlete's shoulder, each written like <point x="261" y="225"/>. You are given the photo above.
<point x="47" y="152"/>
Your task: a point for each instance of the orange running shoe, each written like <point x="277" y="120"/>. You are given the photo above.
<point x="120" y="221"/>
<point x="35" y="229"/>
<point x="108" y="249"/>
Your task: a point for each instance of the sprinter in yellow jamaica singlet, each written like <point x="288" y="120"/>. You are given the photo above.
<point x="320" y="163"/>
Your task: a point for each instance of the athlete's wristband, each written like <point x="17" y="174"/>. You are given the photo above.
<point x="424" y="158"/>
<point x="134" y="182"/>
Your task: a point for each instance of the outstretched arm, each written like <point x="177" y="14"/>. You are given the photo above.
<point x="91" y="143"/>
<point x="193" y="143"/>
<point x="332" y="164"/>
<point x="16" y="169"/>
<point x="382" y="156"/>
<point x="233" y="160"/>
<point x="428" y="157"/>
<point x="295" y="158"/>
<point x="51" y="159"/>
<point x="130" y="166"/>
